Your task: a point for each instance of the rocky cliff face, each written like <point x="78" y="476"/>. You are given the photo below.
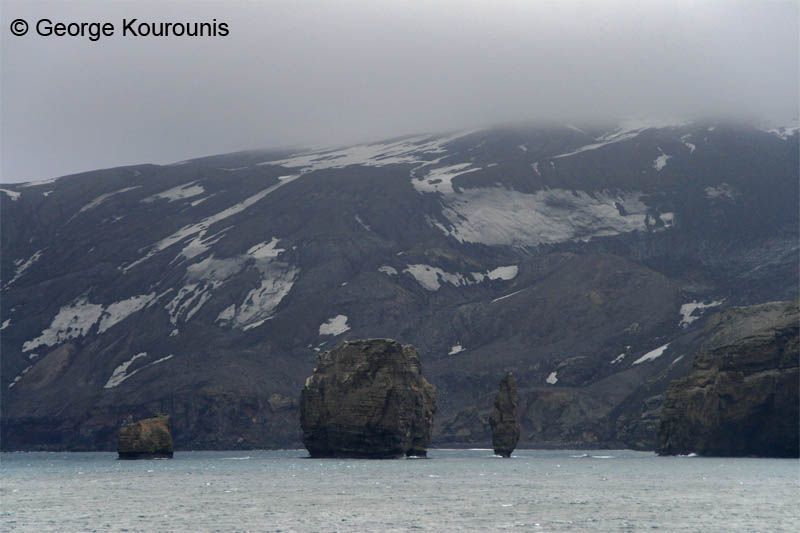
<point x="741" y="396"/>
<point x="205" y="289"/>
<point x="150" y="438"/>
<point x="367" y="398"/>
<point x="505" y="427"/>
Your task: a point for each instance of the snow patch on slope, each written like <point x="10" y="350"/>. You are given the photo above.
<point x="72" y="321"/>
<point x="413" y="150"/>
<point x="189" y="300"/>
<point x="24" y="265"/>
<point x="455" y="349"/>
<point x="661" y="161"/>
<point x="723" y="190"/>
<point x="214" y="269"/>
<point x="605" y="140"/>
<point x="652" y="355"/>
<point x="785" y="132"/>
<point x="39" y="183"/>
<point x="498" y="216"/>
<point x="227" y="314"/>
<point x="441" y="179"/>
<point x="203" y="278"/>
<point x="14" y="195"/>
<point x="688" y="310"/>
<point x="362" y="223"/>
<point x="103" y="197"/>
<point x="195" y="203"/>
<point x="628" y="130"/>
<point x="505" y="273"/>
<point x="119" y="311"/>
<point x="121" y="373"/>
<point x="431" y="278"/>
<point x="20" y="376"/>
<point x="76" y="319"/>
<point x="181" y="192"/>
<point x="334" y="326"/>
<point x="507" y="296"/>
<point x="266" y="250"/>
<point x="687" y="144"/>
<point x="260" y="303"/>
<point x="199" y="229"/>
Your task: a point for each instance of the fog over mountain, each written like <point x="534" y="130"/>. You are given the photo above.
<point x="340" y="72"/>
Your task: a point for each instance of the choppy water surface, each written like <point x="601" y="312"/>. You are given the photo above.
<point x="453" y="490"/>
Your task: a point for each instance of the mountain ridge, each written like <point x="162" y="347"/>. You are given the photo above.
<point x="547" y="260"/>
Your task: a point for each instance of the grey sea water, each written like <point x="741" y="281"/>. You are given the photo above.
<point x="454" y="490"/>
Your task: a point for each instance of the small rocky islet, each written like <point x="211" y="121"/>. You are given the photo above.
<point x="150" y="438"/>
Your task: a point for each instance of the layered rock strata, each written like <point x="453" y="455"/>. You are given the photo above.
<point x="741" y="396"/>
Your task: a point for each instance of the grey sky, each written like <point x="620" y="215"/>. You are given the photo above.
<point x="312" y="72"/>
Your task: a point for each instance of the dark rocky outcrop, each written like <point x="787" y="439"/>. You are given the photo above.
<point x="741" y="396"/>
<point x="150" y="438"/>
<point x="505" y="427"/>
<point x="367" y="399"/>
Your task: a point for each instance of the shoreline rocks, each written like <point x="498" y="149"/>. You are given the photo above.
<point x="367" y="399"/>
<point x="150" y="438"/>
<point x="741" y="396"/>
<point x="505" y="427"/>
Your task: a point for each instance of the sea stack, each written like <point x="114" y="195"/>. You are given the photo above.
<point x="741" y="397"/>
<point x="505" y="428"/>
<point x="367" y="399"/>
<point x="146" y="439"/>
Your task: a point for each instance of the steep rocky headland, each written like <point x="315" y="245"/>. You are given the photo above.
<point x="367" y="398"/>
<point x="505" y="427"/>
<point x="150" y="438"/>
<point x="741" y="396"/>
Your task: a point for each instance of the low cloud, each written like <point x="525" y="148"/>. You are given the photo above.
<point x="336" y="72"/>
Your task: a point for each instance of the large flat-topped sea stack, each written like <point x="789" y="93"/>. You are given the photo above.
<point x="367" y="399"/>
<point x="146" y="439"/>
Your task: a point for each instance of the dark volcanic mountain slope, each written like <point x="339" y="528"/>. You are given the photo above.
<point x="582" y="260"/>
